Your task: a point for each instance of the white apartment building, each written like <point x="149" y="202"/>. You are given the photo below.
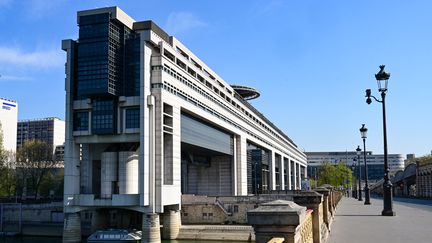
<point x="50" y="130"/>
<point x="8" y="121"/>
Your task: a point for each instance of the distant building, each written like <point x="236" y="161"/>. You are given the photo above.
<point x="8" y="121"/>
<point x="375" y="162"/>
<point x="50" y="130"/>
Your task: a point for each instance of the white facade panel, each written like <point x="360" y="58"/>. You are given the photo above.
<point x="8" y="121"/>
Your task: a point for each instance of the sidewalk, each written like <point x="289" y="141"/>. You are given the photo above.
<point x="356" y="222"/>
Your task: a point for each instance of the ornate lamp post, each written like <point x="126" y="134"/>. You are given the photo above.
<point x="363" y="132"/>
<point x="354" y="191"/>
<point x="382" y="79"/>
<point x="359" y="192"/>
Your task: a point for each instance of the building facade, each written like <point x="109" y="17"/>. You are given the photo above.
<point x="375" y="162"/>
<point x="8" y="121"/>
<point x="424" y="178"/>
<point x="148" y="121"/>
<point x="50" y="130"/>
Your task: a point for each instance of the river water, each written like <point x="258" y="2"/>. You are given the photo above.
<point x="28" y="239"/>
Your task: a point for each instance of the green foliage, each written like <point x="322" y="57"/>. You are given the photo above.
<point x="35" y="161"/>
<point x="52" y="183"/>
<point x="7" y="171"/>
<point x="339" y="175"/>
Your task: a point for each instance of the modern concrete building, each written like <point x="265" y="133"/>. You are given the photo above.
<point x="50" y="130"/>
<point x="148" y="121"/>
<point x="8" y="121"/>
<point x="375" y="162"/>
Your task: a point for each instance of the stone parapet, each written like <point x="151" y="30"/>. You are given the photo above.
<point x="326" y="205"/>
<point x="281" y="219"/>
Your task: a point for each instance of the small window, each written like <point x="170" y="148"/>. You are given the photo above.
<point x="81" y="121"/>
<point x="132" y="118"/>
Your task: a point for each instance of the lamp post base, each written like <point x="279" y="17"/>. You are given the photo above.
<point x="388" y="213"/>
<point x="367" y="196"/>
<point x="388" y="199"/>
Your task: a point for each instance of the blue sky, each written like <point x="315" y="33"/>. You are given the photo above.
<point x="311" y="61"/>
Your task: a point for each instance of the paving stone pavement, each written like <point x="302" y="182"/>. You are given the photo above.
<point x="355" y="222"/>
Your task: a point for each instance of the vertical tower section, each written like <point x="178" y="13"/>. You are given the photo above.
<point x="107" y="65"/>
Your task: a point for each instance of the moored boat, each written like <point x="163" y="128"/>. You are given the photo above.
<point x="114" y="236"/>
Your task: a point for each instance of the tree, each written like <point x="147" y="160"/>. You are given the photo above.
<point x="7" y="170"/>
<point x="35" y="160"/>
<point x="335" y="175"/>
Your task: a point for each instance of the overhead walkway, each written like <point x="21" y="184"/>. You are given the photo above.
<point x="356" y="222"/>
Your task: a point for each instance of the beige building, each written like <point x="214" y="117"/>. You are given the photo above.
<point x="424" y="178"/>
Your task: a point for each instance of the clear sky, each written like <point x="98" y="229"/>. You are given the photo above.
<point x="311" y="61"/>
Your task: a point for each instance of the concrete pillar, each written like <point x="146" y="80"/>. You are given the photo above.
<point x="128" y="172"/>
<point x="72" y="228"/>
<point x="272" y="185"/>
<point x="313" y="200"/>
<point x="282" y="173"/>
<point x="151" y="228"/>
<point x="171" y="224"/>
<point x="241" y="162"/>
<point x="298" y="175"/>
<point x="279" y="219"/>
<point x="289" y="175"/>
<point x="295" y="175"/>
<point x="326" y="213"/>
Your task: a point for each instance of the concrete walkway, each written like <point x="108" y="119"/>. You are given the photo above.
<point x="356" y="222"/>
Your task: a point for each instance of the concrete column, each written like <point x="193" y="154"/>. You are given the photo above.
<point x="151" y="228"/>
<point x="282" y="173"/>
<point x="72" y="228"/>
<point x="234" y="166"/>
<point x="289" y="174"/>
<point x="128" y="172"/>
<point x="295" y="175"/>
<point x="241" y="169"/>
<point x="298" y="175"/>
<point x="171" y="224"/>
<point x="272" y="171"/>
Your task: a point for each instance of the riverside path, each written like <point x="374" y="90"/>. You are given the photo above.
<point x="356" y="222"/>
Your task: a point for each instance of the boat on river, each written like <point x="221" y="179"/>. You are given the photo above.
<point x="115" y="236"/>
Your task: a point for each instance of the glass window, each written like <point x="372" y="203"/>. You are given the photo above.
<point x="80" y="121"/>
<point x="104" y="117"/>
<point x="132" y="118"/>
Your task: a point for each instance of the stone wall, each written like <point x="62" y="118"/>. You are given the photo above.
<point x="233" y="210"/>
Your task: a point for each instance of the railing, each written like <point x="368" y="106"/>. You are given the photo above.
<point x="222" y="207"/>
<point x="306" y="229"/>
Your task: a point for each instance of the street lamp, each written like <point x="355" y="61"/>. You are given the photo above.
<point x="382" y="79"/>
<point x="359" y="192"/>
<point x="353" y="167"/>
<point x="363" y="132"/>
